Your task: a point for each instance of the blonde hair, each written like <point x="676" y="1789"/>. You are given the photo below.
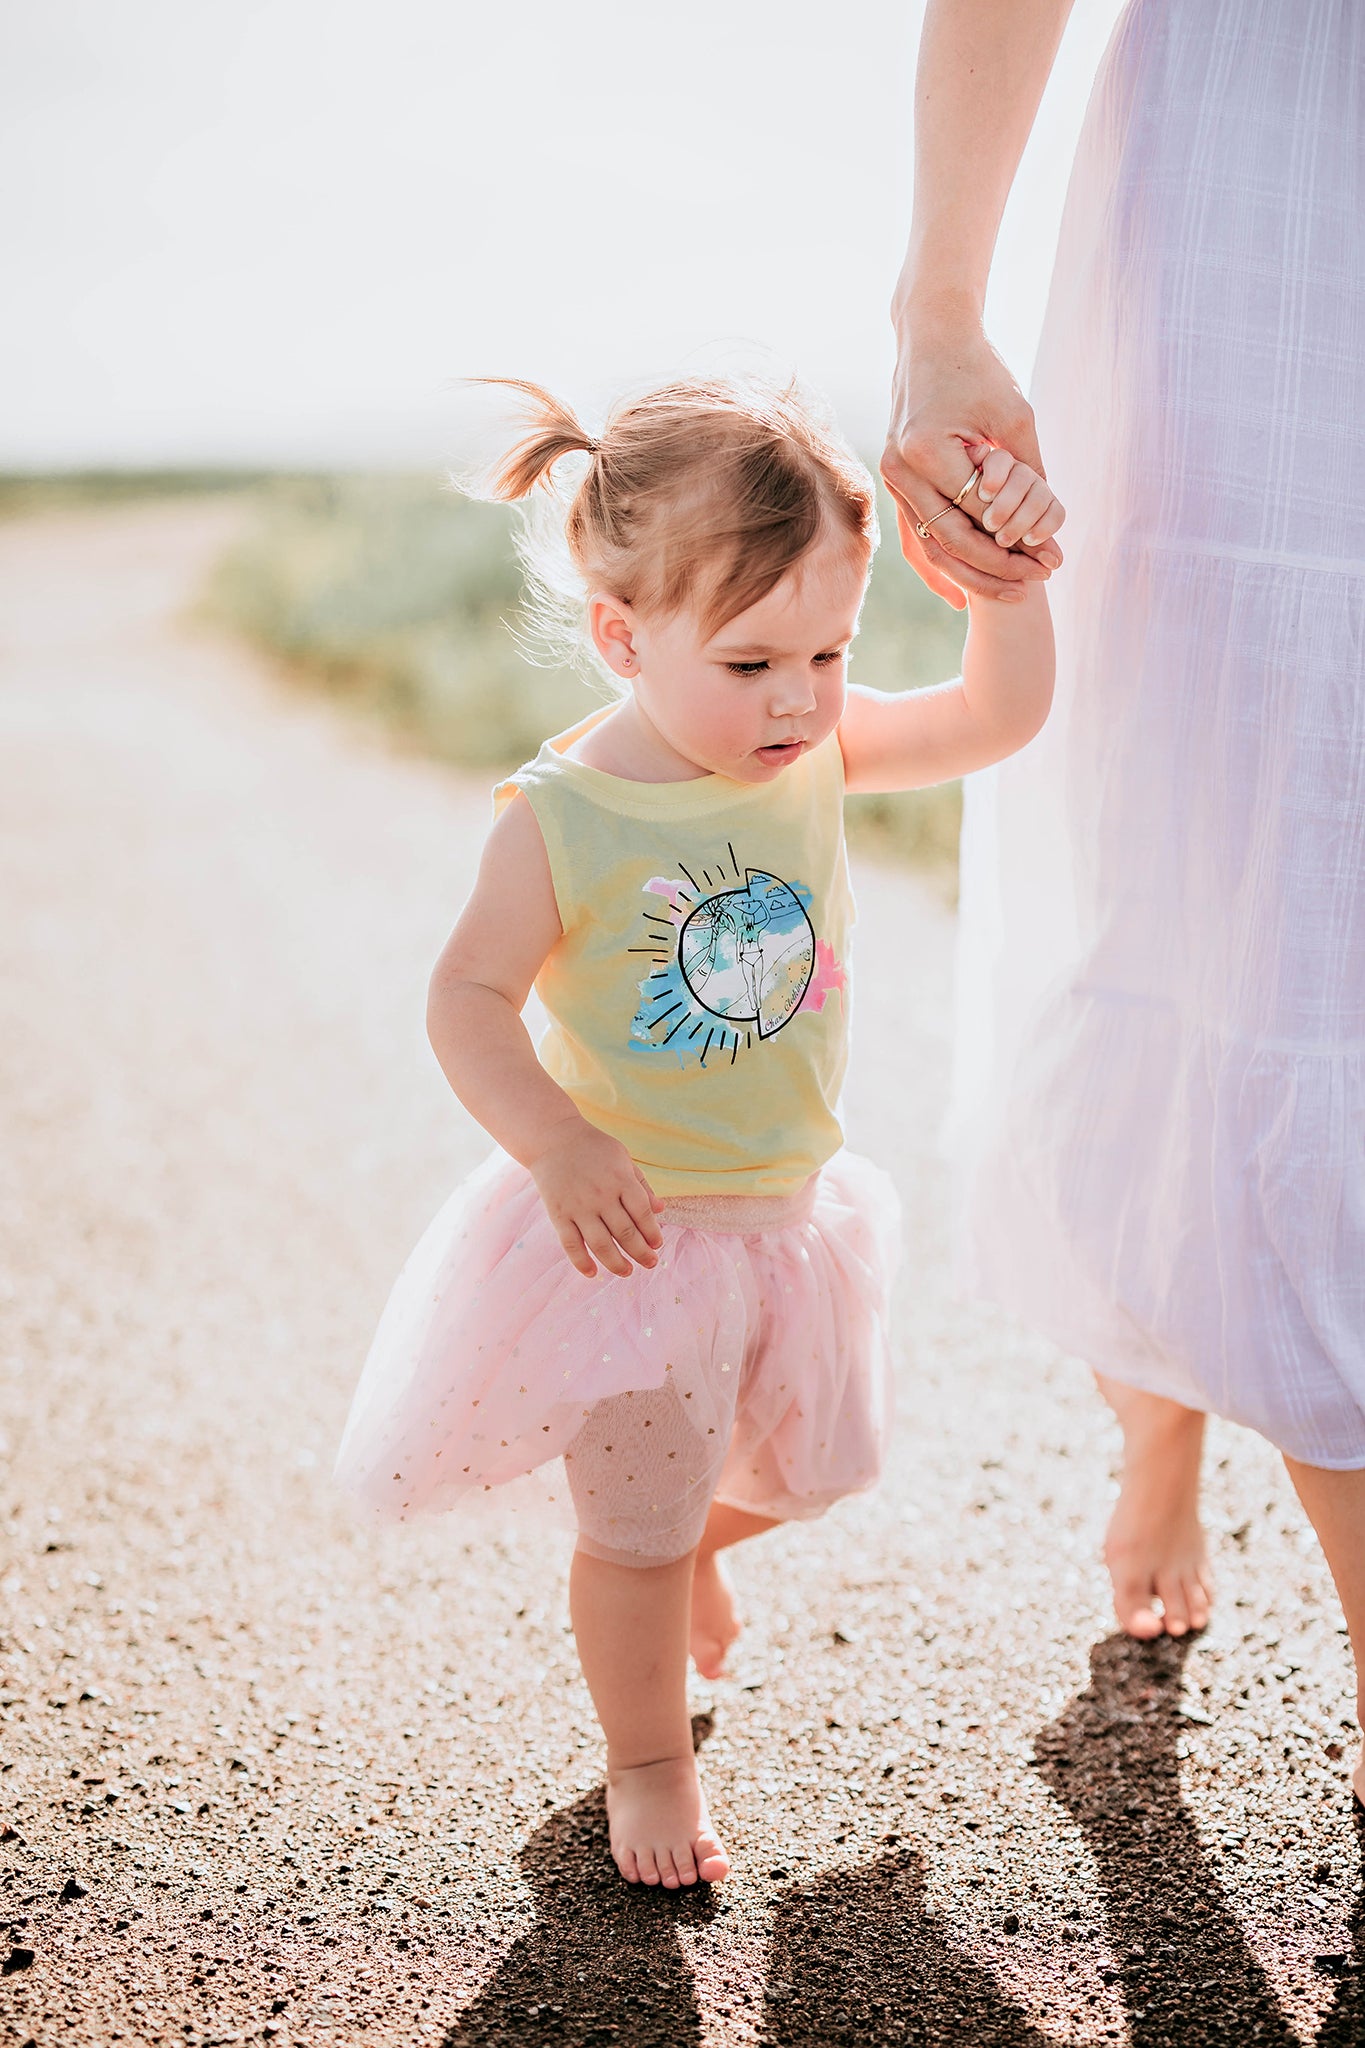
<point x="699" y="496"/>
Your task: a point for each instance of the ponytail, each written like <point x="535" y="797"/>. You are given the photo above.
<point x="701" y="494"/>
<point x="553" y="432"/>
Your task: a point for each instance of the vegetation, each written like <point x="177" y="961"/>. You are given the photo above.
<point x="403" y="599"/>
<point x="25" y="491"/>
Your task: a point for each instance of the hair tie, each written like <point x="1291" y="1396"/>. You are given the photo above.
<point x="592" y="446"/>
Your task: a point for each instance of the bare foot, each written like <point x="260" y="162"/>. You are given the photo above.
<point x="715" y="1622"/>
<point x="661" y="1832"/>
<point x="1155" y="1548"/>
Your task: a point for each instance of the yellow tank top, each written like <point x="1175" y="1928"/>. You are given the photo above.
<point x="698" y="999"/>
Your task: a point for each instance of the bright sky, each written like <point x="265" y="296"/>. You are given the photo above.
<point x="274" y="230"/>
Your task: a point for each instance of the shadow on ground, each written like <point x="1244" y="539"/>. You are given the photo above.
<point x="858" y="1957"/>
<point x="603" y="1962"/>
<point x="1186" y="1975"/>
<point x="1344" y="2025"/>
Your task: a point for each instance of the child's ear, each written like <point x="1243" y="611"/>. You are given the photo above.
<point x="613" y="635"/>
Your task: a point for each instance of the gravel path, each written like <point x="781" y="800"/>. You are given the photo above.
<point x="268" y="1776"/>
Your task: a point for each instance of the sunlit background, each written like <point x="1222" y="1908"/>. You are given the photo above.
<point x="255" y="245"/>
<point x="271" y="231"/>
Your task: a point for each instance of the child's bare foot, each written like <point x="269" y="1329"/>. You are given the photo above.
<point x="1155" y="1547"/>
<point x="715" y="1622"/>
<point x="661" y="1832"/>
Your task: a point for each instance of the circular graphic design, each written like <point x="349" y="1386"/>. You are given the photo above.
<point x="748" y="954"/>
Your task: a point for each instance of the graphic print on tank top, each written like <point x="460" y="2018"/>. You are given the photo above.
<point x="735" y="958"/>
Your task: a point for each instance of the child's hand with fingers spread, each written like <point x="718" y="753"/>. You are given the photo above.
<point x="1012" y="501"/>
<point x="602" y="1207"/>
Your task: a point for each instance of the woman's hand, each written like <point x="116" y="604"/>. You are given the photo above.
<point x="951" y="393"/>
<point x="602" y="1207"/>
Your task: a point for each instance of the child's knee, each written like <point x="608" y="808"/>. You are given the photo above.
<point x="642" y="1478"/>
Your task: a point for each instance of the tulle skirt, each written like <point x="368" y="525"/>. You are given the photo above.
<point x="1160" y="1081"/>
<point x="752" y="1364"/>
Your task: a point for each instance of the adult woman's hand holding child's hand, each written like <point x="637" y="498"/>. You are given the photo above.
<point x="951" y="392"/>
<point x="602" y="1207"/>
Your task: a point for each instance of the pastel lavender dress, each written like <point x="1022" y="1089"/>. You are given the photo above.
<point x="1160" y="1087"/>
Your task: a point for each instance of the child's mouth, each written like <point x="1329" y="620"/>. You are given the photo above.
<point x="782" y="750"/>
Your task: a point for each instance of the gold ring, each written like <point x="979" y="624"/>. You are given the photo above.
<point x="922" y="525"/>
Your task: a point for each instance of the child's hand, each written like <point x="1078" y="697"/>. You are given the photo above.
<point x="1011" y="500"/>
<point x="599" y="1202"/>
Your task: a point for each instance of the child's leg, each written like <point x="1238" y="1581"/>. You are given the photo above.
<point x="715" y="1618"/>
<point x="1155" y="1547"/>
<point x="630" y="1623"/>
<point x="1335" y="1505"/>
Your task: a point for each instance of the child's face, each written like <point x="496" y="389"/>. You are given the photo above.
<point x="763" y="689"/>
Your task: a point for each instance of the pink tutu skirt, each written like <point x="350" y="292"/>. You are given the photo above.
<point x="751" y="1365"/>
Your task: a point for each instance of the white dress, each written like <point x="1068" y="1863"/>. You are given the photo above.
<point x="1159" y="1104"/>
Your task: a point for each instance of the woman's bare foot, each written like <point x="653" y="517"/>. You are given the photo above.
<point x="661" y="1832"/>
<point x="1155" y="1548"/>
<point x="715" y="1622"/>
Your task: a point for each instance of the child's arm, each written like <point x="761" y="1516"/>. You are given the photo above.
<point x="596" y="1197"/>
<point x="1004" y="692"/>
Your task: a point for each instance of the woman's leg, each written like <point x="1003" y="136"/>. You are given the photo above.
<point x="1155" y="1551"/>
<point x="631" y="1628"/>
<point x="1335" y="1505"/>
<point x="715" y="1618"/>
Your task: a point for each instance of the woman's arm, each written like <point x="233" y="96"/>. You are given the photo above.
<point x="996" y="707"/>
<point x="597" y="1199"/>
<point x="982" y="68"/>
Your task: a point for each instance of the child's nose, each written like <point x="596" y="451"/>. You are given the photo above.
<point x="792" y="695"/>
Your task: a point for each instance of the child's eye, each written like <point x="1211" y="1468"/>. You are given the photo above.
<point x="823" y="660"/>
<point x="746" y="668"/>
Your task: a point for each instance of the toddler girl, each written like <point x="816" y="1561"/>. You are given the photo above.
<point x="670" y="874"/>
